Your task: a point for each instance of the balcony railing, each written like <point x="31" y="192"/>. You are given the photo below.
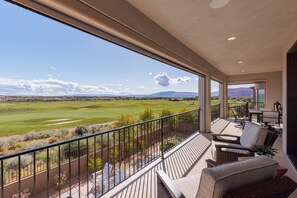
<point x="242" y="108"/>
<point x="93" y="164"/>
<point x="215" y="111"/>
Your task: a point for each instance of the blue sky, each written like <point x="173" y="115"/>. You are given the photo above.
<point x="40" y="56"/>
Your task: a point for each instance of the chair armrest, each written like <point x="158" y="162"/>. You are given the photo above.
<point x="217" y="137"/>
<point x="169" y="184"/>
<point x="210" y="163"/>
<point x="233" y="147"/>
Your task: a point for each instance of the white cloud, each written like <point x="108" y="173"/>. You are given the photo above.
<point x="50" y="76"/>
<point x="141" y="86"/>
<point x="151" y="73"/>
<point x="54" y="68"/>
<point x="127" y="80"/>
<point x="164" y="80"/>
<point x="52" y="87"/>
<point x="115" y="85"/>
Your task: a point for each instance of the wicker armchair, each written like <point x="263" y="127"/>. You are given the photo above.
<point x="227" y="148"/>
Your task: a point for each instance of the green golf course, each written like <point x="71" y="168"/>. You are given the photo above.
<point x="23" y="117"/>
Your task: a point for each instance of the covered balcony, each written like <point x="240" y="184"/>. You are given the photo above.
<point x="231" y="42"/>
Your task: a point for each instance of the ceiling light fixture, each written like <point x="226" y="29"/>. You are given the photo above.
<point x="243" y="70"/>
<point x="240" y="62"/>
<point x="218" y="3"/>
<point x="231" y="38"/>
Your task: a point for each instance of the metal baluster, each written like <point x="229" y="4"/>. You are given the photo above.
<point x="120" y="142"/>
<point x="102" y="160"/>
<point x="162" y="138"/>
<point x="114" y="158"/>
<point x="2" y="180"/>
<point x="47" y="173"/>
<point x="129" y="150"/>
<point x="59" y="169"/>
<point x="88" y="166"/>
<point x="34" y="172"/>
<point x="19" y="174"/>
<point x="69" y="167"/>
<point x="133" y="150"/>
<point x="124" y="152"/>
<point x="95" y="165"/>
<point x="78" y="168"/>
<point x="108" y="160"/>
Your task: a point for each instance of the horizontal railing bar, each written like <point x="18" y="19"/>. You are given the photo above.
<point x="24" y="152"/>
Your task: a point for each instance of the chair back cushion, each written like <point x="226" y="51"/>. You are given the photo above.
<point x="271" y="117"/>
<point x="250" y="135"/>
<point x="219" y="180"/>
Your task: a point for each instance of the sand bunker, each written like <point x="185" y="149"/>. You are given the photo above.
<point x="59" y="123"/>
<point x="58" y="120"/>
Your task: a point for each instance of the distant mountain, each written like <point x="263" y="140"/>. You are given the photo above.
<point x="173" y="94"/>
<point x="240" y="92"/>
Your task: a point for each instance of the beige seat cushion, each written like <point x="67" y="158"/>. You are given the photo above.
<point x="188" y="185"/>
<point x="217" y="181"/>
<point x="214" y="150"/>
<point x="250" y="135"/>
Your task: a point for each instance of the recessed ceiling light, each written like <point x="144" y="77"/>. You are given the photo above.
<point x="243" y="70"/>
<point x="218" y="3"/>
<point x="240" y="62"/>
<point x="231" y="38"/>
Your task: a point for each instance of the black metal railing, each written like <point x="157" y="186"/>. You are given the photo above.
<point x="242" y="108"/>
<point x="93" y="164"/>
<point x="215" y="111"/>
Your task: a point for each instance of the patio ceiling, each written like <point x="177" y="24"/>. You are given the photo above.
<point x="260" y="28"/>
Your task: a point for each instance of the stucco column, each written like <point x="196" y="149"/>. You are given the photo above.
<point x="222" y="99"/>
<point x="204" y="104"/>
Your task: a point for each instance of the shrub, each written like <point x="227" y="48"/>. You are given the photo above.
<point x="185" y="117"/>
<point x="12" y="164"/>
<point x="53" y="139"/>
<point x="42" y="156"/>
<point x="167" y="146"/>
<point x="37" y="135"/>
<point x="18" y="146"/>
<point x="35" y="145"/>
<point x="113" y="155"/>
<point x="148" y="114"/>
<point x="25" y="194"/>
<point x="166" y="112"/>
<point x="91" y="163"/>
<point x="95" y="129"/>
<point x="81" y="130"/>
<point x="60" y="182"/>
<point x="14" y="139"/>
<point x="124" y="120"/>
<point x="63" y="133"/>
<point x="2" y="145"/>
<point x="74" y="151"/>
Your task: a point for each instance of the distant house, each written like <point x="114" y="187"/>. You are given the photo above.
<point x="175" y="99"/>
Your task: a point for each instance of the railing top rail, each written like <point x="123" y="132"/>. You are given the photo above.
<point x="24" y="152"/>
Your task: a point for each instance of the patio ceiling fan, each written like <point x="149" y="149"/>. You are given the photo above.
<point x="218" y="3"/>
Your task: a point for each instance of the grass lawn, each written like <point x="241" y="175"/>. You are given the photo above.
<point x="22" y="117"/>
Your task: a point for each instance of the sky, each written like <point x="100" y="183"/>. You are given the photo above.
<point x="40" y="56"/>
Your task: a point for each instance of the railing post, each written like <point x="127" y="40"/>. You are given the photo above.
<point x="162" y="137"/>
<point x="247" y="108"/>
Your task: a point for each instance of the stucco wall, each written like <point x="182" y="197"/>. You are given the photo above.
<point x="273" y="85"/>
